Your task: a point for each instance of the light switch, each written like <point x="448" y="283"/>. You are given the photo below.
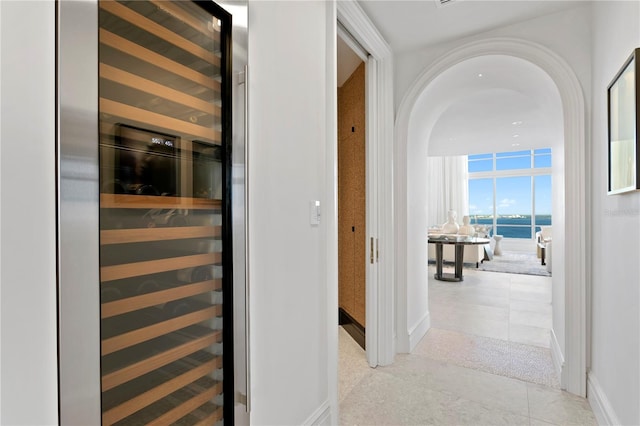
<point x="314" y="212"/>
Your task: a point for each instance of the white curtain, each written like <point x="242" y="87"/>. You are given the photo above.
<point x="447" y="186"/>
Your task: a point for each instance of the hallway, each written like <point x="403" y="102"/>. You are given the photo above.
<point x="485" y="360"/>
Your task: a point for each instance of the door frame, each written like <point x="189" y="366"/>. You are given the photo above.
<point x="379" y="145"/>
<point x="572" y="365"/>
<point x="78" y="213"/>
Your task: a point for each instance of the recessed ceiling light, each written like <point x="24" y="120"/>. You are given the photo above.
<point x="516" y="123"/>
<point x="516" y="135"/>
<point x="515" y="144"/>
<point x="479" y="74"/>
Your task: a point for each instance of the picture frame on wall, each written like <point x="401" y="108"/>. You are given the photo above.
<point x="623" y="106"/>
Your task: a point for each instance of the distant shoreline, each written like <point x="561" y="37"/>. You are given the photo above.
<point x="513" y="226"/>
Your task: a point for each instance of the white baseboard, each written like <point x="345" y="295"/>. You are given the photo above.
<point x="417" y="332"/>
<point x="599" y="402"/>
<point x="320" y="417"/>
<point x="558" y="359"/>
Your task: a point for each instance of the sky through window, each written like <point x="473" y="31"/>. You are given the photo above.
<point x="512" y="189"/>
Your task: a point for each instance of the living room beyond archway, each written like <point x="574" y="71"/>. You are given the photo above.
<point x="413" y="129"/>
<point x="495" y="121"/>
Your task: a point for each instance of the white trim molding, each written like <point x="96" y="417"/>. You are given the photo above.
<point x="602" y="409"/>
<point x="321" y="416"/>
<point x="575" y="195"/>
<point x="418" y="331"/>
<point x="380" y="292"/>
<point x="330" y="211"/>
<point x="556" y="356"/>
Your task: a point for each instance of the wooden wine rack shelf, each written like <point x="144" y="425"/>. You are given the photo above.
<point x="125" y="201"/>
<point x="186" y="407"/>
<point x="133" y="404"/>
<point x="122" y="44"/>
<point x="149" y="118"/>
<point x="136" y="269"/>
<point x="199" y="26"/>
<point x="174" y="346"/>
<point x="158" y="30"/>
<point x="130" y="338"/>
<point x="135" y="303"/>
<point x="212" y="418"/>
<point x="139" y="235"/>
<point x="151" y="87"/>
<point x="162" y="65"/>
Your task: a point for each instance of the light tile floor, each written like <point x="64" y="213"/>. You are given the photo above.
<point x="505" y="320"/>
<point x="511" y="307"/>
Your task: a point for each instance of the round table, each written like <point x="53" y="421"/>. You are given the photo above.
<point x="459" y="241"/>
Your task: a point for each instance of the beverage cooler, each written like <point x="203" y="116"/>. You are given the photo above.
<point x="151" y="228"/>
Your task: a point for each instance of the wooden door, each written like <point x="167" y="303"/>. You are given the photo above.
<point x="352" y="198"/>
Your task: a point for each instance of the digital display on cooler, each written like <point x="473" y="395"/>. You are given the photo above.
<point x="146" y="162"/>
<point x="163" y="142"/>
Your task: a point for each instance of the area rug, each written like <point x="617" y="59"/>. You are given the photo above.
<point x="510" y="359"/>
<point x="515" y="263"/>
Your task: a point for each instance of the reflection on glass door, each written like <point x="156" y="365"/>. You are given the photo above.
<point x="164" y="213"/>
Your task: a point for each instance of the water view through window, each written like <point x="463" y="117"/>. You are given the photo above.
<point x="511" y="191"/>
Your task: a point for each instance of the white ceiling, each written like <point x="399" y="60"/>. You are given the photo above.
<point x="513" y="106"/>
<point x="461" y="113"/>
<point x="408" y="25"/>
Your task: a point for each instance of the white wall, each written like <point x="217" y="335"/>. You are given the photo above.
<point x="418" y="317"/>
<point x="28" y="275"/>
<point x="292" y="90"/>
<point x="0" y="216"/>
<point x="616" y="231"/>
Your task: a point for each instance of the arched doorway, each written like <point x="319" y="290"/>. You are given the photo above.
<point x="570" y="288"/>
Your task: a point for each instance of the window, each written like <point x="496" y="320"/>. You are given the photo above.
<point x="542" y="184"/>
<point x="513" y="160"/>
<point x="481" y="201"/>
<point x="480" y="163"/>
<point x="542" y="158"/>
<point x="511" y="191"/>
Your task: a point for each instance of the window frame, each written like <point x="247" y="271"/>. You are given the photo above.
<point x="495" y="174"/>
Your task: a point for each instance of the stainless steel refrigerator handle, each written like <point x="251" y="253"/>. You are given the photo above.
<point x="246" y="240"/>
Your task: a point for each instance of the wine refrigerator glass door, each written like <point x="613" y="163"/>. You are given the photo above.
<point x="144" y="226"/>
<point x="164" y="212"/>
